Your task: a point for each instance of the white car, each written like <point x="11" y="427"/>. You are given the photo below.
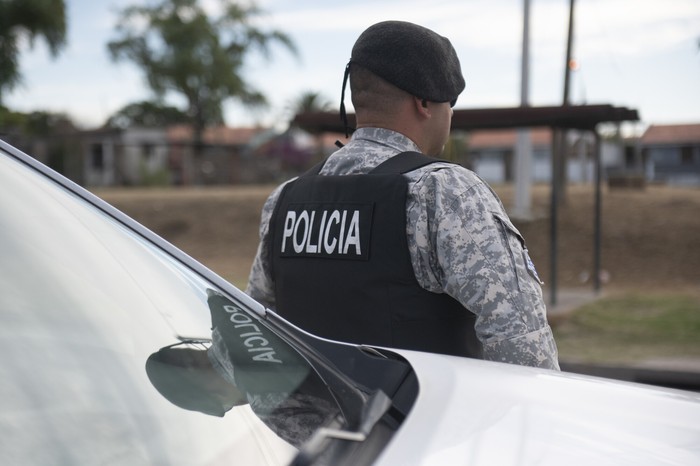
<point x="119" y="349"/>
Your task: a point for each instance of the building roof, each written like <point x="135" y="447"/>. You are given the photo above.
<point x="219" y="135"/>
<point x="672" y="134"/>
<point x="498" y="138"/>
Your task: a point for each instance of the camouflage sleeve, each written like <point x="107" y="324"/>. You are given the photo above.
<point x="260" y="286"/>
<point x="463" y="244"/>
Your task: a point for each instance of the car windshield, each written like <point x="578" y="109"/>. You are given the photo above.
<point x="113" y="352"/>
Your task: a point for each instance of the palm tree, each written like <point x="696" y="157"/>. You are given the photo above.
<point x="310" y="101"/>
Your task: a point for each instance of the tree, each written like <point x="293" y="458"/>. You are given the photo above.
<point x="37" y="124"/>
<point x="310" y="101"/>
<point x="146" y="114"/>
<point x="183" y="49"/>
<point x="27" y="20"/>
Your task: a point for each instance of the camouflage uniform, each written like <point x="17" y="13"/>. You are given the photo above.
<point x="461" y="242"/>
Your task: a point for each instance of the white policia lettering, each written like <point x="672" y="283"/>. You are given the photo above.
<point x="252" y="340"/>
<point x="335" y="234"/>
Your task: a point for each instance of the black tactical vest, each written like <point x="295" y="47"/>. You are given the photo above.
<point x="342" y="268"/>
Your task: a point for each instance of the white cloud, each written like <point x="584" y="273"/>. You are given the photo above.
<point x="634" y="28"/>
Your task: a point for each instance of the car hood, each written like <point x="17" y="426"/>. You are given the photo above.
<point x="487" y="413"/>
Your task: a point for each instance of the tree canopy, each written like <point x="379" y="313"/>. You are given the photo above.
<point x="37" y="123"/>
<point x="27" y="20"/>
<point x="147" y="114"/>
<point x="310" y="101"/>
<point x="184" y="49"/>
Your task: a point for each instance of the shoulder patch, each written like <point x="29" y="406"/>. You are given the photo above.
<point x="531" y="266"/>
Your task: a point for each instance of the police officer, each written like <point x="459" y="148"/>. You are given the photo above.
<point x="381" y="245"/>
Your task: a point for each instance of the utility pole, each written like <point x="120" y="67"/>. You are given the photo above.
<point x="523" y="149"/>
<point x="559" y="167"/>
<point x="569" y="42"/>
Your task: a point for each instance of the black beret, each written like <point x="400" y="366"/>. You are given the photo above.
<point x="412" y="58"/>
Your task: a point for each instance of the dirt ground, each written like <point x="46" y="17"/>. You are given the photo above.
<point x="649" y="237"/>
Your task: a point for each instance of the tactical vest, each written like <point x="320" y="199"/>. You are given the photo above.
<point x="342" y="269"/>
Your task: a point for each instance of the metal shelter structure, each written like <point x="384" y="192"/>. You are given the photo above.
<point x="579" y="117"/>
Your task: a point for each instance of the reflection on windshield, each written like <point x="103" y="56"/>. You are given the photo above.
<point x="244" y="363"/>
<point x="183" y="374"/>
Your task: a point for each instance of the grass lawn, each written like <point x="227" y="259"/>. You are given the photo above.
<point x="632" y="327"/>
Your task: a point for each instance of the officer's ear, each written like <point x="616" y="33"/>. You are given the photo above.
<point x="422" y="107"/>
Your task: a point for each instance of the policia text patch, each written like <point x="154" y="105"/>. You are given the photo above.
<point x="327" y="230"/>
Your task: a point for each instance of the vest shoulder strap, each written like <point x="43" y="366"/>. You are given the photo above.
<point x="403" y="163"/>
<point x="315" y="170"/>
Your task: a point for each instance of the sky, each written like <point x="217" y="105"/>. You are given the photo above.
<point x="641" y="54"/>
